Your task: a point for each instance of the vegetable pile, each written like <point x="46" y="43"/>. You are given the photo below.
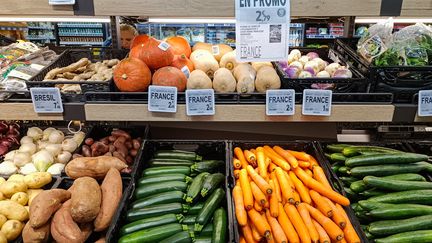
<point x="178" y="199"/>
<point x="284" y="196"/>
<point x="393" y="201"/>
<point x="9" y="136"/>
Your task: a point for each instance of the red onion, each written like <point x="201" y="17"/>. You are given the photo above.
<point x="3" y="149"/>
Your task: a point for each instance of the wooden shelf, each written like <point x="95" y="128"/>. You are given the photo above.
<point x="24" y="111"/>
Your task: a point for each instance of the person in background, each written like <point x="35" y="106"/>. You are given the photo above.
<point x="127" y="33"/>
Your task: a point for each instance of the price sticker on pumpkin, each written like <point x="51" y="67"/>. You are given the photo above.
<point x="162" y="99"/>
<point x="46" y="100"/>
<point x="317" y="102"/>
<point x="200" y="102"/>
<point x="425" y="103"/>
<point x="280" y="102"/>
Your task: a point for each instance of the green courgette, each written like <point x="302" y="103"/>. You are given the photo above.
<point x="386" y="170"/>
<point x="150" y="222"/>
<point x="160" y="198"/>
<point x="358" y="186"/>
<point x="210" y="205"/>
<point x="414" y="196"/>
<point x="211" y="183"/>
<point x="343" y="170"/>
<point x="368" y="205"/>
<point x="219" y="226"/>
<point x="151" y="189"/>
<point x="351" y="194"/>
<point x="180" y="237"/>
<point x="173" y="154"/>
<point x="154" y="234"/>
<point x="399" y="211"/>
<point x="380" y="159"/>
<point x="210" y="166"/>
<point x="337" y="157"/>
<point x="396" y="185"/>
<point x="162" y="163"/>
<point x="167" y="170"/>
<point x="335" y="168"/>
<point x="156" y="210"/>
<point x="203" y="239"/>
<point x="196" y="208"/>
<point x="419" y="236"/>
<point x="189" y="220"/>
<point x="163" y="178"/>
<point x="347" y="180"/>
<point x="207" y="230"/>
<point x="337" y="148"/>
<point x="369" y="236"/>
<point x="391" y="227"/>
<point x="355" y="150"/>
<point x="195" y="187"/>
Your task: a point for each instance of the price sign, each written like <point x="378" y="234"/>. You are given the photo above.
<point x="425" y="103"/>
<point x="280" y="102"/>
<point x="61" y="2"/>
<point x="162" y="99"/>
<point x="317" y="102"/>
<point x="200" y="102"/>
<point x="262" y="29"/>
<point x="46" y="100"/>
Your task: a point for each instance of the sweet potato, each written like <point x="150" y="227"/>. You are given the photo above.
<point x="85" y="200"/>
<point x="101" y="240"/>
<point x="95" y="167"/>
<point x="63" y="227"/>
<point x="86" y="230"/>
<point x="112" y="191"/>
<point x="39" y="235"/>
<point x="45" y="204"/>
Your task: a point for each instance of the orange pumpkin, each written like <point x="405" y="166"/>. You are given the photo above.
<point x="170" y="76"/>
<point x="180" y="45"/>
<point x="181" y="60"/>
<point x="132" y="75"/>
<point x="138" y="40"/>
<point x="136" y="52"/>
<point x="154" y="56"/>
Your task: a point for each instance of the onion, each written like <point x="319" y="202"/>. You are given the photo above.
<point x="321" y="63"/>
<point x="56" y="137"/>
<point x="64" y="157"/>
<point x="8" y="168"/>
<point x="10" y="156"/>
<point x="305" y="74"/>
<point x="342" y="73"/>
<point x="292" y="71"/>
<point x="331" y="68"/>
<point x="26" y="139"/>
<point x="29" y="148"/>
<point x="56" y="169"/>
<point x="54" y="149"/>
<point x="323" y="74"/>
<point x="27" y="169"/>
<point x="297" y="64"/>
<point x="20" y="159"/>
<point x="296" y="54"/>
<point x="42" y="160"/>
<point x="3" y="149"/>
<point x="69" y="145"/>
<point x="47" y="132"/>
<point x="312" y="55"/>
<point x="35" y="133"/>
<point x="3" y="127"/>
<point x="304" y="59"/>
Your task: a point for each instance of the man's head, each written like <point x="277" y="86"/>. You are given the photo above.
<point x="127" y="33"/>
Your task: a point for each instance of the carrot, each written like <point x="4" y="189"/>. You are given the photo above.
<point x="338" y="218"/>
<point x="260" y="182"/>
<point x="351" y="235"/>
<point x="240" y="211"/>
<point x="262" y="168"/>
<point x="240" y="156"/>
<point x="287" y="156"/>
<point x="274" y="210"/>
<point x="253" y="151"/>
<point x="258" y="206"/>
<point x="276" y="158"/>
<point x="242" y="239"/>
<point x="309" y="172"/>
<point x="318" y="174"/>
<point x="267" y="205"/>
<point x="290" y="183"/>
<point x="323" y="236"/>
<point x="247" y="234"/>
<point x="236" y="174"/>
<point x="321" y="204"/>
<point x="255" y="234"/>
<point x="304" y="213"/>
<point x="268" y="161"/>
<point x="298" y="223"/>
<point x="296" y="198"/>
<point x="313" y="161"/>
<point x="301" y="189"/>
<point x="330" y="227"/>
<point x="236" y="163"/>
<point x="250" y="158"/>
<point x="272" y="167"/>
<point x="286" y="190"/>
<point x="315" y="185"/>
<point x="278" y="233"/>
<point x="342" y="241"/>
<point x="300" y="155"/>
<point x="258" y="195"/>
<point x="287" y="226"/>
<point x="304" y="164"/>
<point x="277" y="189"/>
<point x="260" y="223"/>
<point x="246" y="189"/>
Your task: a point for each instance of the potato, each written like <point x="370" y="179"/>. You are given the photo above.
<point x="2" y="180"/>
<point x="16" y="177"/>
<point x="3" y="220"/>
<point x="32" y="193"/>
<point x="37" y="180"/>
<point x="13" y="210"/>
<point x="85" y="200"/>
<point x="11" y="187"/>
<point x="63" y="227"/>
<point x="38" y="235"/>
<point x="3" y="238"/>
<point x="12" y="229"/>
<point x="2" y="197"/>
<point x="95" y="167"/>
<point x="45" y="204"/>
<point x="20" y="197"/>
<point x="27" y="208"/>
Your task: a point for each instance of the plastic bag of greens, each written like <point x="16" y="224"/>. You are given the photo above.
<point x="375" y="40"/>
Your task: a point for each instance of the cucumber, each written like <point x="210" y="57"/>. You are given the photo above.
<point x="386" y="170"/>
<point x="327" y="155"/>
<point x="161" y="163"/>
<point x="203" y="239"/>
<point x="337" y="148"/>
<point x="343" y="170"/>
<point x="154" y="234"/>
<point x="177" y="155"/>
<point x="337" y="157"/>
<point x="390" y="227"/>
<point x="419" y="236"/>
<point x="207" y="230"/>
<point x="210" y="205"/>
<point x="396" y="185"/>
<point x="189" y="220"/>
<point x="402" y="177"/>
<point x="211" y="183"/>
<point x="160" y="198"/>
<point x="367" y="205"/>
<point x="399" y="211"/>
<point x="335" y="168"/>
<point x="195" y="209"/>
<point x="156" y="210"/>
<point x="355" y="150"/>
<point x="400" y="158"/>
<point x="372" y="193"/>
<point x="150" y="222"/>
<point x="347" y="180"/>
<point x="350" y="194"/>
<point x="148" y="190"/>
<point x="180" y="237"/>
<point x="416" y="196"/>
<point x="358" y="186"/>
<point x="208" y="166"/>
<point x="368" y="235"/>
<point x="219" y="226"/>
<point x="167" y="170"/>
<point x="163" y="178"/>
<point x="195" y="188"/>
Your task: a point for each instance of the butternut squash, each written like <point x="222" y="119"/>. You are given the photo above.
<point x="258" y="65"/>
<point x="267" y="78"/>
<point x="204" y="61"/>
<point x="245" y="75"/>
<point x="218" y="51"/>
<point x="229" y="61"/>
<point x="202" y="46"/>
<point x="199" y="80"/>
<point x="224" y="81"/>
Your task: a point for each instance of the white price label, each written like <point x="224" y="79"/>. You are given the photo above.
<point x="164" y="46"/>
<point x="61" y="2"/>
<point x="200" y="102"/>
<point x="317" y="102"/>
<point x="425" y="103"/>
<point x="186" y="71"/>
<point x="262" y="30"/>
<point x="162" y="99"/>
<point x="215" y="50"/>
<point x="46" y="100"/>
<point x="280" y="102"/>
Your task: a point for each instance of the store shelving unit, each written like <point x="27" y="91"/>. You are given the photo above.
<point x="87" y="34"/>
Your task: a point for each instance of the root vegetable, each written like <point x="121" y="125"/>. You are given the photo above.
<point x="79" y="137"/>
<point x="332" y="68"/>
<point x="85" y="200"/>
<point x="119" y="156"/>
<point x="56" y="169"/>
<point x="86" y="151"/>
<point x="10" y="156"/>
<point x="95" y="167"/>
<point x="63" y="227"/>
<point x="56" y="137"/>
<point x="267" y="78"/>
<point x="121" y="133"/>
<point x="35" y="133"/>
<point x="36" y="235"/>
<point x="3" y="220"/>
<point x="224" y="81"/>
<point x="204" y="61"/>
<point x="28" y="169"/>
<point x="47" y="132"/>
<point x="21" y="159"/>
<point x="45" y="204"/>
<point x="258" y="65"/>
<point x="9" y="188"/>
<point x="89" y="141"/>
<point x="12" y="229"/>
<point x="13" y="210"/>
<point x="20" y="197"/>
<point x="199" y="80"/>
<point x="71" y="68"/>
<point x="228" y="61"/>
<point x="69" y="145"/>
<point x="32" y="193"/>
<point x="245" y="75"/>
<point x="26" y="139"/>
<point x="42" y="160"/>
<point x="8" y="168"/>
<point x="136" y="144"/>
<point x="54" y="149"/>
<point x="37" y="180"/>
<point x="29" y="148"/>
<point x="63" y="157"/>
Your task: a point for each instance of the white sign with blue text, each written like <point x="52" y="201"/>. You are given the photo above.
<point x="162" y="99"/>
<point x="200" y="102"/>
<point x="317" y="102"/>
<point x="280" y="102"/>
<point x="425" y="103"/>
<point x="46" y="100"/>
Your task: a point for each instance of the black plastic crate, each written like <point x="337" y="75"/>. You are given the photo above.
<point x="306" y="146"/>
<point x="5" y="41"/>
<point x="208" y="149"/>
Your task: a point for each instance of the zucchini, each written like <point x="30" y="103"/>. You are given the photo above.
<point x="350" y="194"/>
<point x="337" y="148"/>
<point x="148" y="190"/>
<point x="211" y="183"/>
<point x="174" y="151"/>
<point x="337" y="157"/>
<point x="419" y="236"/>
<point x="203" y="239"/>
<point x="207" y="230"/>
<point x="208" y="166"/>
<point x="156" y="210"/>
<point x="415" y="196"/>
<point x="358" y="186"/>
<point x="369" y="236"/>
<point x="161" y="163"/>
<point x="327" y="155"/>
<point x="163" y="178"/>
<point x="195" y="209"/>
<point x="396" y="185"/>
<point x="400" y="158"/>
<point x="343" y="170"/>
<point x="180" y="237"/>
<point x="219" y="226"/>
<point x="210" y="205"/>
<point x="390" y="227"/>
<point x="399" y="211"/>
<point x="177" y="155"/>
<point x="367" y="205"/>
<point x="402" y="177"/>
<point x="347" y="180"/>
<point x="355" y="150"/>
<point x="195" y="188"/>
<point x="160" y="198"/>
<point x="372" y="193"/>
<point x="154" y="234"/>
<point x="150" y="222"/>
<point x="386" y="170"/>
<point x="189" y="220"/>
<point x="335" y="168"/>
<point x="167" y="170"/>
